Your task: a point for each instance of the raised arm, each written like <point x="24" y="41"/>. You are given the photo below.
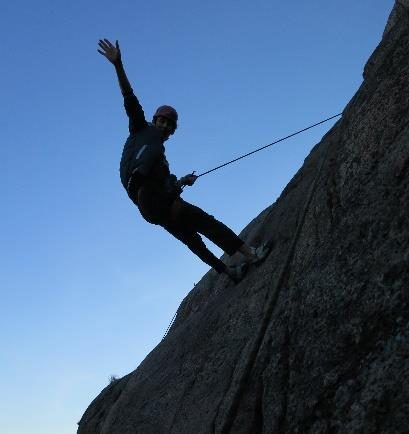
<point x="132" y="106"/>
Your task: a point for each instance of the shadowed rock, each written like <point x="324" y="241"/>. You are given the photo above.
<point x="316" y="339"/>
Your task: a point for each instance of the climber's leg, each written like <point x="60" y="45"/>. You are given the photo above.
<point x="195" y="243"/>
<point x="197" y="220"/>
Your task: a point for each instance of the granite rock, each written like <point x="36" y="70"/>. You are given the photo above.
<point x="316" y="339"/>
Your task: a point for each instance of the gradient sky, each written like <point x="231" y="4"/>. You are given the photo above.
<point x="87" y="287"/>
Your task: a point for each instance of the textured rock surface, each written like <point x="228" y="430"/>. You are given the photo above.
<point x="316" y="340"/>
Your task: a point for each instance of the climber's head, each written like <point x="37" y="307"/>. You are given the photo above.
<point x="166" y="119"/>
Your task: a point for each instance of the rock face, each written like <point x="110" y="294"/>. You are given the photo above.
<point x="316" y="339"/>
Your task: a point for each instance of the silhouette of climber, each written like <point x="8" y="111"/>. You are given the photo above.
<point x="156" y="192"/>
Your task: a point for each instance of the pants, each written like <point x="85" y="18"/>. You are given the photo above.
<point x="185" y="222"/>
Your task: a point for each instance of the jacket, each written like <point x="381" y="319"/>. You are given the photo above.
<point x="144" y="153"/>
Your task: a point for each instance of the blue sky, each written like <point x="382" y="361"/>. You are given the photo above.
<point x="88" y="288"/>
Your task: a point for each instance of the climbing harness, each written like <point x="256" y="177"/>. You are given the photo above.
<point x="267" y="146"/>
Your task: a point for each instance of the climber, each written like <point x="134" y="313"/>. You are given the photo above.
<point x="145" y="175"/>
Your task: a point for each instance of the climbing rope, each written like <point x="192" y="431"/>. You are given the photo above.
<point x="246" y="155"/>
<point x="171" y="323"/>
<point x="271" y="144"/>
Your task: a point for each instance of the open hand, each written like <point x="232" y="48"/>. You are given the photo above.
<point x="112" y="53"/>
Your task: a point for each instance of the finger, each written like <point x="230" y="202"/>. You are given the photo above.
<point x="109" y="43"/>
<point x="117" y="44"/>
<point x="99" y="51"/>
<point x="103" y="45"/>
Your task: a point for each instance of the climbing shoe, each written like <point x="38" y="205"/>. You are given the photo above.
<point x="237" y="272"/>
<point x="260" y="253"/>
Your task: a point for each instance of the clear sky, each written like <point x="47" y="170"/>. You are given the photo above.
<point x="87" y="287"/>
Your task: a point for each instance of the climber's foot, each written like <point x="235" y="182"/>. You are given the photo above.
<point x="237" y="272"/>
<point x="260" y="253"/>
